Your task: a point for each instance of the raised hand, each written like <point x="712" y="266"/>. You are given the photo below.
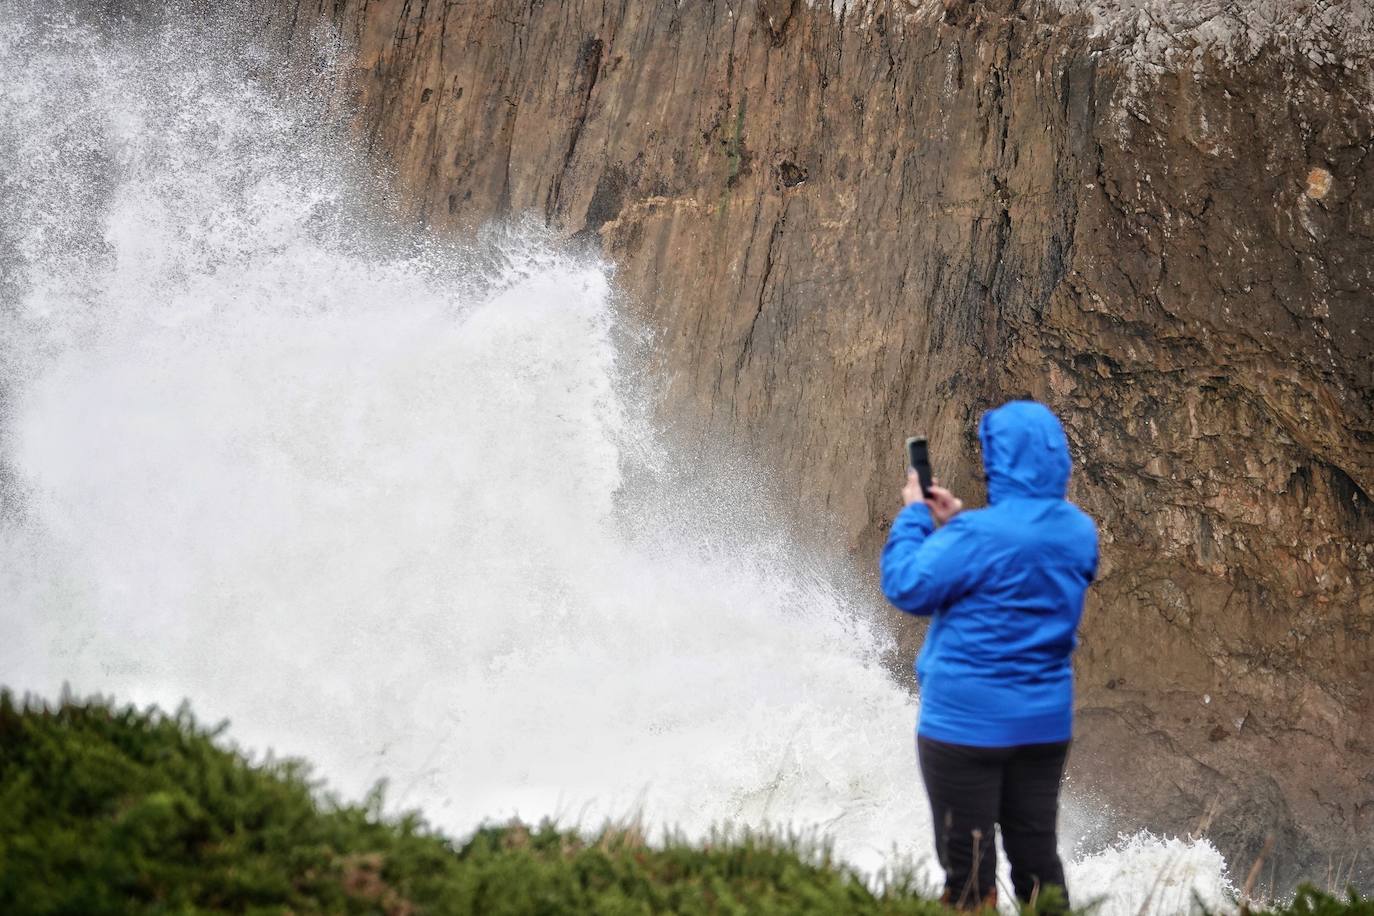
<point x="943" y="504"/>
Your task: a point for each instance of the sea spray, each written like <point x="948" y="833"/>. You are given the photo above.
<point x="390" y="502"/>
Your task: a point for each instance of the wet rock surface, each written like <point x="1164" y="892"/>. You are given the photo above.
<point x="848" y="226"/>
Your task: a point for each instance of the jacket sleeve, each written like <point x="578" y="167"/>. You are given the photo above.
<point x="924" y="570"/>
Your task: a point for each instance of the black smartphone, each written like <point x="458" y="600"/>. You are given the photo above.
<point x="918" y="458"/>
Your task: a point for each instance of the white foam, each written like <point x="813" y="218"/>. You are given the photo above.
<point x="383" y="502"/>
<point x="1145" y="874"/>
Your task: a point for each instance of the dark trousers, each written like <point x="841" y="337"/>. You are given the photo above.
<point x="972" y="789"/>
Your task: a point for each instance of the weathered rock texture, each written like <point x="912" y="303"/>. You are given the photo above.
<point x="847" y="226"/>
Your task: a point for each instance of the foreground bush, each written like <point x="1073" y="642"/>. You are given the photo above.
<point x="116" y="810"/>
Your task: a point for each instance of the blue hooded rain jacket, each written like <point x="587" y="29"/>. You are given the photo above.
<point x="1004" y="589"/>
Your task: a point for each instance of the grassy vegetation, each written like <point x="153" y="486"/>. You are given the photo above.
<point x="116" y="810"/>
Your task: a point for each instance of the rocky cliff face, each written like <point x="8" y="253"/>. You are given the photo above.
<point x="850" y="224"/>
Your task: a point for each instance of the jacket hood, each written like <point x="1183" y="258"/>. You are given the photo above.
<point x="1025" y="452"/>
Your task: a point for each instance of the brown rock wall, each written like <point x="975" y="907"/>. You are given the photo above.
<point x="845" y="228"/>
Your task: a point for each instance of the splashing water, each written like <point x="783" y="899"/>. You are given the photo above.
<point x="364" y="493"/>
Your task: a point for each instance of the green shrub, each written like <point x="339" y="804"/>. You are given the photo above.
<point x="119" y="810"/>
<point x="1311" y="902"/>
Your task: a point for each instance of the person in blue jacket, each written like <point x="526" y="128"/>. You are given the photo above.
<point x="1003" y="587"/>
